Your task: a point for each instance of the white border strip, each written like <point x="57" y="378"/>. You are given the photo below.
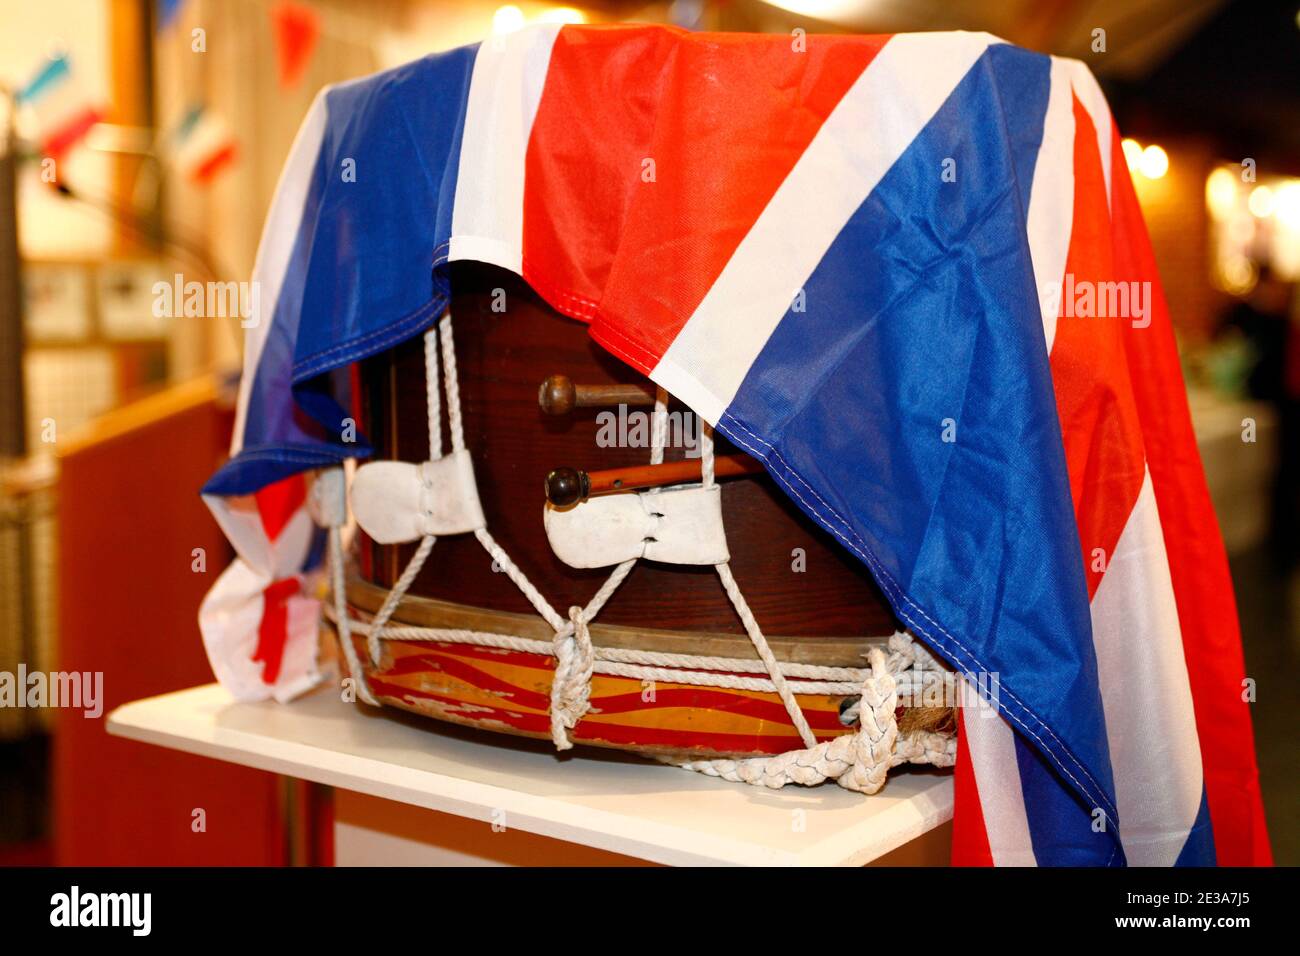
<point x="505" y="91"/>
<point x="990" y="745"/>
<point x="877" y="120"/>
<point x="1051" y="200"/>
<point x="1155" y="752"/>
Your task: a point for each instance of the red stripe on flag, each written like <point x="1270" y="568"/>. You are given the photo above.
<point x="1198" y="565"/>
<point x="208" y="168"/>
<point x="1094" y="398"/>
<point x="717" y="160"/>
<point x="278" y="502"/>
<point x="59" y="140"/>
<point x="273" y="629"/>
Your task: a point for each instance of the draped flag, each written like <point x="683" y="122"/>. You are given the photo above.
<point x="909" y="274"/>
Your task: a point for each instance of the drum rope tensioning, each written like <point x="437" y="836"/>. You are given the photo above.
<point x="857" y="761"/>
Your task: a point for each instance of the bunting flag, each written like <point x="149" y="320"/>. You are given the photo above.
<point x="296" y="28"/>
<point x="203" y="146"/>
<point x="909" y="274"/>
<point x="64" y="112"/>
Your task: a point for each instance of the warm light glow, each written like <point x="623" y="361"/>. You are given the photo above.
<point x="1286" y="205"/>
<point x="507" y="19"/>
<point x="1154" y="162"/>
<point x="833" y="10"/>
<point x="1261" y="202"/>
<point x="1241" y="230"/>
<point x="1132" y="153"/>
<point x="1221" y="193"/>
<point x="1238" y="275"/>
<point x="563" y="15"/>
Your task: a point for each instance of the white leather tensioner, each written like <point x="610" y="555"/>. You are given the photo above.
<point x="681" y="526"/>
<point x="398" y="501"/>
<point x="328" y="502"/>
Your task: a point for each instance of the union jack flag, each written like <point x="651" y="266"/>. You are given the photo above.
<point x="851" y="255"/>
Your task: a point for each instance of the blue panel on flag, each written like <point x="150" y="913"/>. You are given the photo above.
<point x="922" y="318"/>
<point x="361" y="275"/>
<point x="390" y="156"/>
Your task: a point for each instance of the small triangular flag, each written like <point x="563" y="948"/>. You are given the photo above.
<point x="64" y="112"/>
<point x="296" y="28"/>
<point x="203" y="145"/>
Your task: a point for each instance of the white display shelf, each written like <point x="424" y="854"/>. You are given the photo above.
<point x="610" y="801"/>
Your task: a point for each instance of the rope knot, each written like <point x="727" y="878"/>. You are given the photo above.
<point x="575" y="660"/>
<point x="873" y="744"/>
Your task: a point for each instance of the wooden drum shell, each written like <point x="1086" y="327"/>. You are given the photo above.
<point x="831" y="607"/>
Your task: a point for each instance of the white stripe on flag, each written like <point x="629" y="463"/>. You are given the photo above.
<point x="230" y="620"/>
<point x="866" y="133"/>
<point x="505" y="90"/>
<point x="990" y="745"/>
<point x="241" y="523"/>
<point x="61" y="106"/>
<point x="1154" y="749"/>
<point x="209" y="137"/>
<point x="1051" y="200"/>
<point x="279" y="234"/>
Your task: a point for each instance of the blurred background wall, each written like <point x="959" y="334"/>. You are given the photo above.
<point x="167" y="122"/>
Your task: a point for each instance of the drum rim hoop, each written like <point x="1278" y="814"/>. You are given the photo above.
<point x="421" y="611"/>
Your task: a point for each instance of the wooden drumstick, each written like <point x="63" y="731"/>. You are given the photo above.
<point x="568" y="486"/>
<point x="559" y="396"/>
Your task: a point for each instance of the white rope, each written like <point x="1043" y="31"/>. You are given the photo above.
<point x="520" y="579"/>
<point x="933" y="688"/>
<point x="696" y="677"/>
<point x="858" y="761"/>
<point x="747" y="618"/>
<point x="847" y="760"/>
<point x="765" y="654"/>
<point x="395" y="596"/>
<point x="341" y="618"/>
<point x="907" y="664"/>
<point x="572" y="648"/>
<point x="453" y="384"/>
<point x="908" y="657"/>
<point x="571" y="683"/>
<point x="432" y="404"/>
<point x="575" y="656"/>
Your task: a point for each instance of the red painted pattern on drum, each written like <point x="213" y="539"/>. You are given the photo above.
<point x="510" y="691"/>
